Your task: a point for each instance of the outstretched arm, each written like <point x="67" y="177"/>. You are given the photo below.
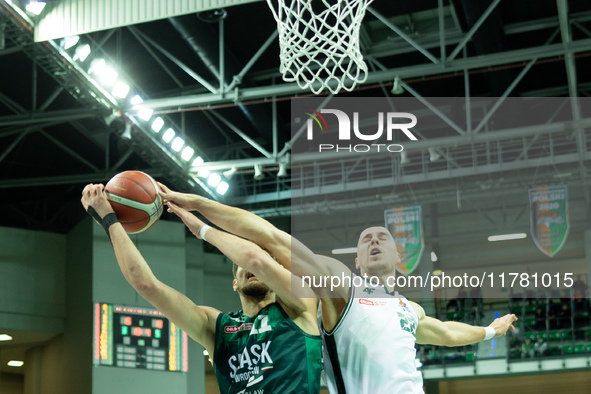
<point x="197" y="321"/>
<point x="288" y="251"/>
<point x="236" y="221"/>
<point x="432" y="331"/>
<point x="301" y="306"/>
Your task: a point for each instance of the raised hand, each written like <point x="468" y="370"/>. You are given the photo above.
<point x="502" y="324"/>
<point x="182" y="200"/>
<point x="192" y="222"/>
<point x="93" y="196"/>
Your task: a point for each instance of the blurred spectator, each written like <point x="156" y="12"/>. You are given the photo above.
<point x="564" y="314"/>
<point x="457" y="304"/>
<point x="580" y="287"/>
<point x="476" y="295"/>
<point x="540" y="319"/>
<point x="437" y="302"/>
<point x="433" y="356"/>
<point x="540" y="347"/>
<point x="462" y="295"/>
<point x="527" y="349"/>
<point x="553" y="312"/>
<point x="422" y="355"/>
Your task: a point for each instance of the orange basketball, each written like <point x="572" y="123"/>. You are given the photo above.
<point x="134" y="197"/>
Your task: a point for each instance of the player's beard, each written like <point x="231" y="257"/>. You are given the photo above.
<point x="255" y="289"/>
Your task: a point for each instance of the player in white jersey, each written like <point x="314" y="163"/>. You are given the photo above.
<point x="369" y="340"/>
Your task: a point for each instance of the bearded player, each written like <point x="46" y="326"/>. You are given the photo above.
<point x="252" y="349"/>
<point x="369" y="331"/>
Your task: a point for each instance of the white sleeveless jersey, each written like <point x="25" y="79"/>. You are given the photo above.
<point x="371" y="350"/>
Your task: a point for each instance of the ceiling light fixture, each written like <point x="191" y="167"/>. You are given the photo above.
<point x="258" y="172"/>
<point x="344" y="251"/>
<point x="157" y="124"/>
<point x="168" y="135"/>
<point x="396" y="87"/>
<point x="177" y="144"/>
<point x="506" y="237"/>
<point x="82" y="52"/>
<point x="187" y="153"/>
<point x="229" y="174"/>
<point x="222" y="188"/>
<point x="35" y="7"/>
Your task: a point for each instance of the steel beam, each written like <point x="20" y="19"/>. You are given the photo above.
<point x="406" y="179"/>
<point x="156" y="58"/>
<point x="473" y="30"/>
<point x="238" y="78"/>
<point x="402" y="34"/>
<point x="69" y="151"/>
<point x="433" y="109"/>
<point x="437" y="175"/>
<point x="458" y="65"/>
<point x="67" y="179"/>
<point x="242" y="135"/>
<point x="176" y="61"/>
<point x="43" y="117"/>
<point x="510" y="88"/>
<point x="455" y="141"/>
<point x="571" y="74"/>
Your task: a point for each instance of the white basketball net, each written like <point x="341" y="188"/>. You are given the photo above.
<point x="321" y="47"/>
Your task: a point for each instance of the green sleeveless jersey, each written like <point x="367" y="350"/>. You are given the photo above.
<point x="265" y="354"/>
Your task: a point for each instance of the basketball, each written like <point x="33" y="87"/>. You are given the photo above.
<point x="134" y="197"/>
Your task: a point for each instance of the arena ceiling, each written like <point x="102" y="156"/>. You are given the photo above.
<point x="214" y="77"/>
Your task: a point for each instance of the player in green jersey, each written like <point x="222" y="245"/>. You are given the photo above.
<point x="270" y="346"/>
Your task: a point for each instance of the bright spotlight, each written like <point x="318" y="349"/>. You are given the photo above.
<point x="69" y="42"/>
<point x="177" y="144"/>
<point x="222" y="188"/>
<point x="157" y="124"/>
<point x="121" y="90"/>
<point x="35" y="7"/>
<point x="168" y="135"/>
<point x="135" y="100"/>
<point x="82" y="52"/>
<point x="214" y="179"/>
<point x="198" y="161"/>
<point x="203" y="173"/>
<point x="108" y="76"/>
<point x="97" y="66"/>
<point x="145" y="114"/>
<point x="187" y="153"/>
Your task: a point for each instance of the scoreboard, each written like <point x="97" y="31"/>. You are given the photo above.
<point x="134" y="337"/>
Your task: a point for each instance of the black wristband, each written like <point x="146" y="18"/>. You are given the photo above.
<point x="106" y="222"/>
<point x="109" y="220"/>
<point x="94" y="215"/>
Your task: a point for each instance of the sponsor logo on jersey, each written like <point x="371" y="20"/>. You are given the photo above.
<point x="248" y="363"/>
<point x="258" y="391"/>
<point x="234" y="329"/>
<point x="363" y="301"/>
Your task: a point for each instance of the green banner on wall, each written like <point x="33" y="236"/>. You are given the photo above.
<point x="405" y="225"/>
<point x="549" y="217"/>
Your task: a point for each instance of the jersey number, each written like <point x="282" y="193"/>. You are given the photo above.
<point x="264" y="326"/>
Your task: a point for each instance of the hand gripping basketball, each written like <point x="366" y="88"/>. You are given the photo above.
<point x="135" y="199"/>
<point x="93" y="196"/>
